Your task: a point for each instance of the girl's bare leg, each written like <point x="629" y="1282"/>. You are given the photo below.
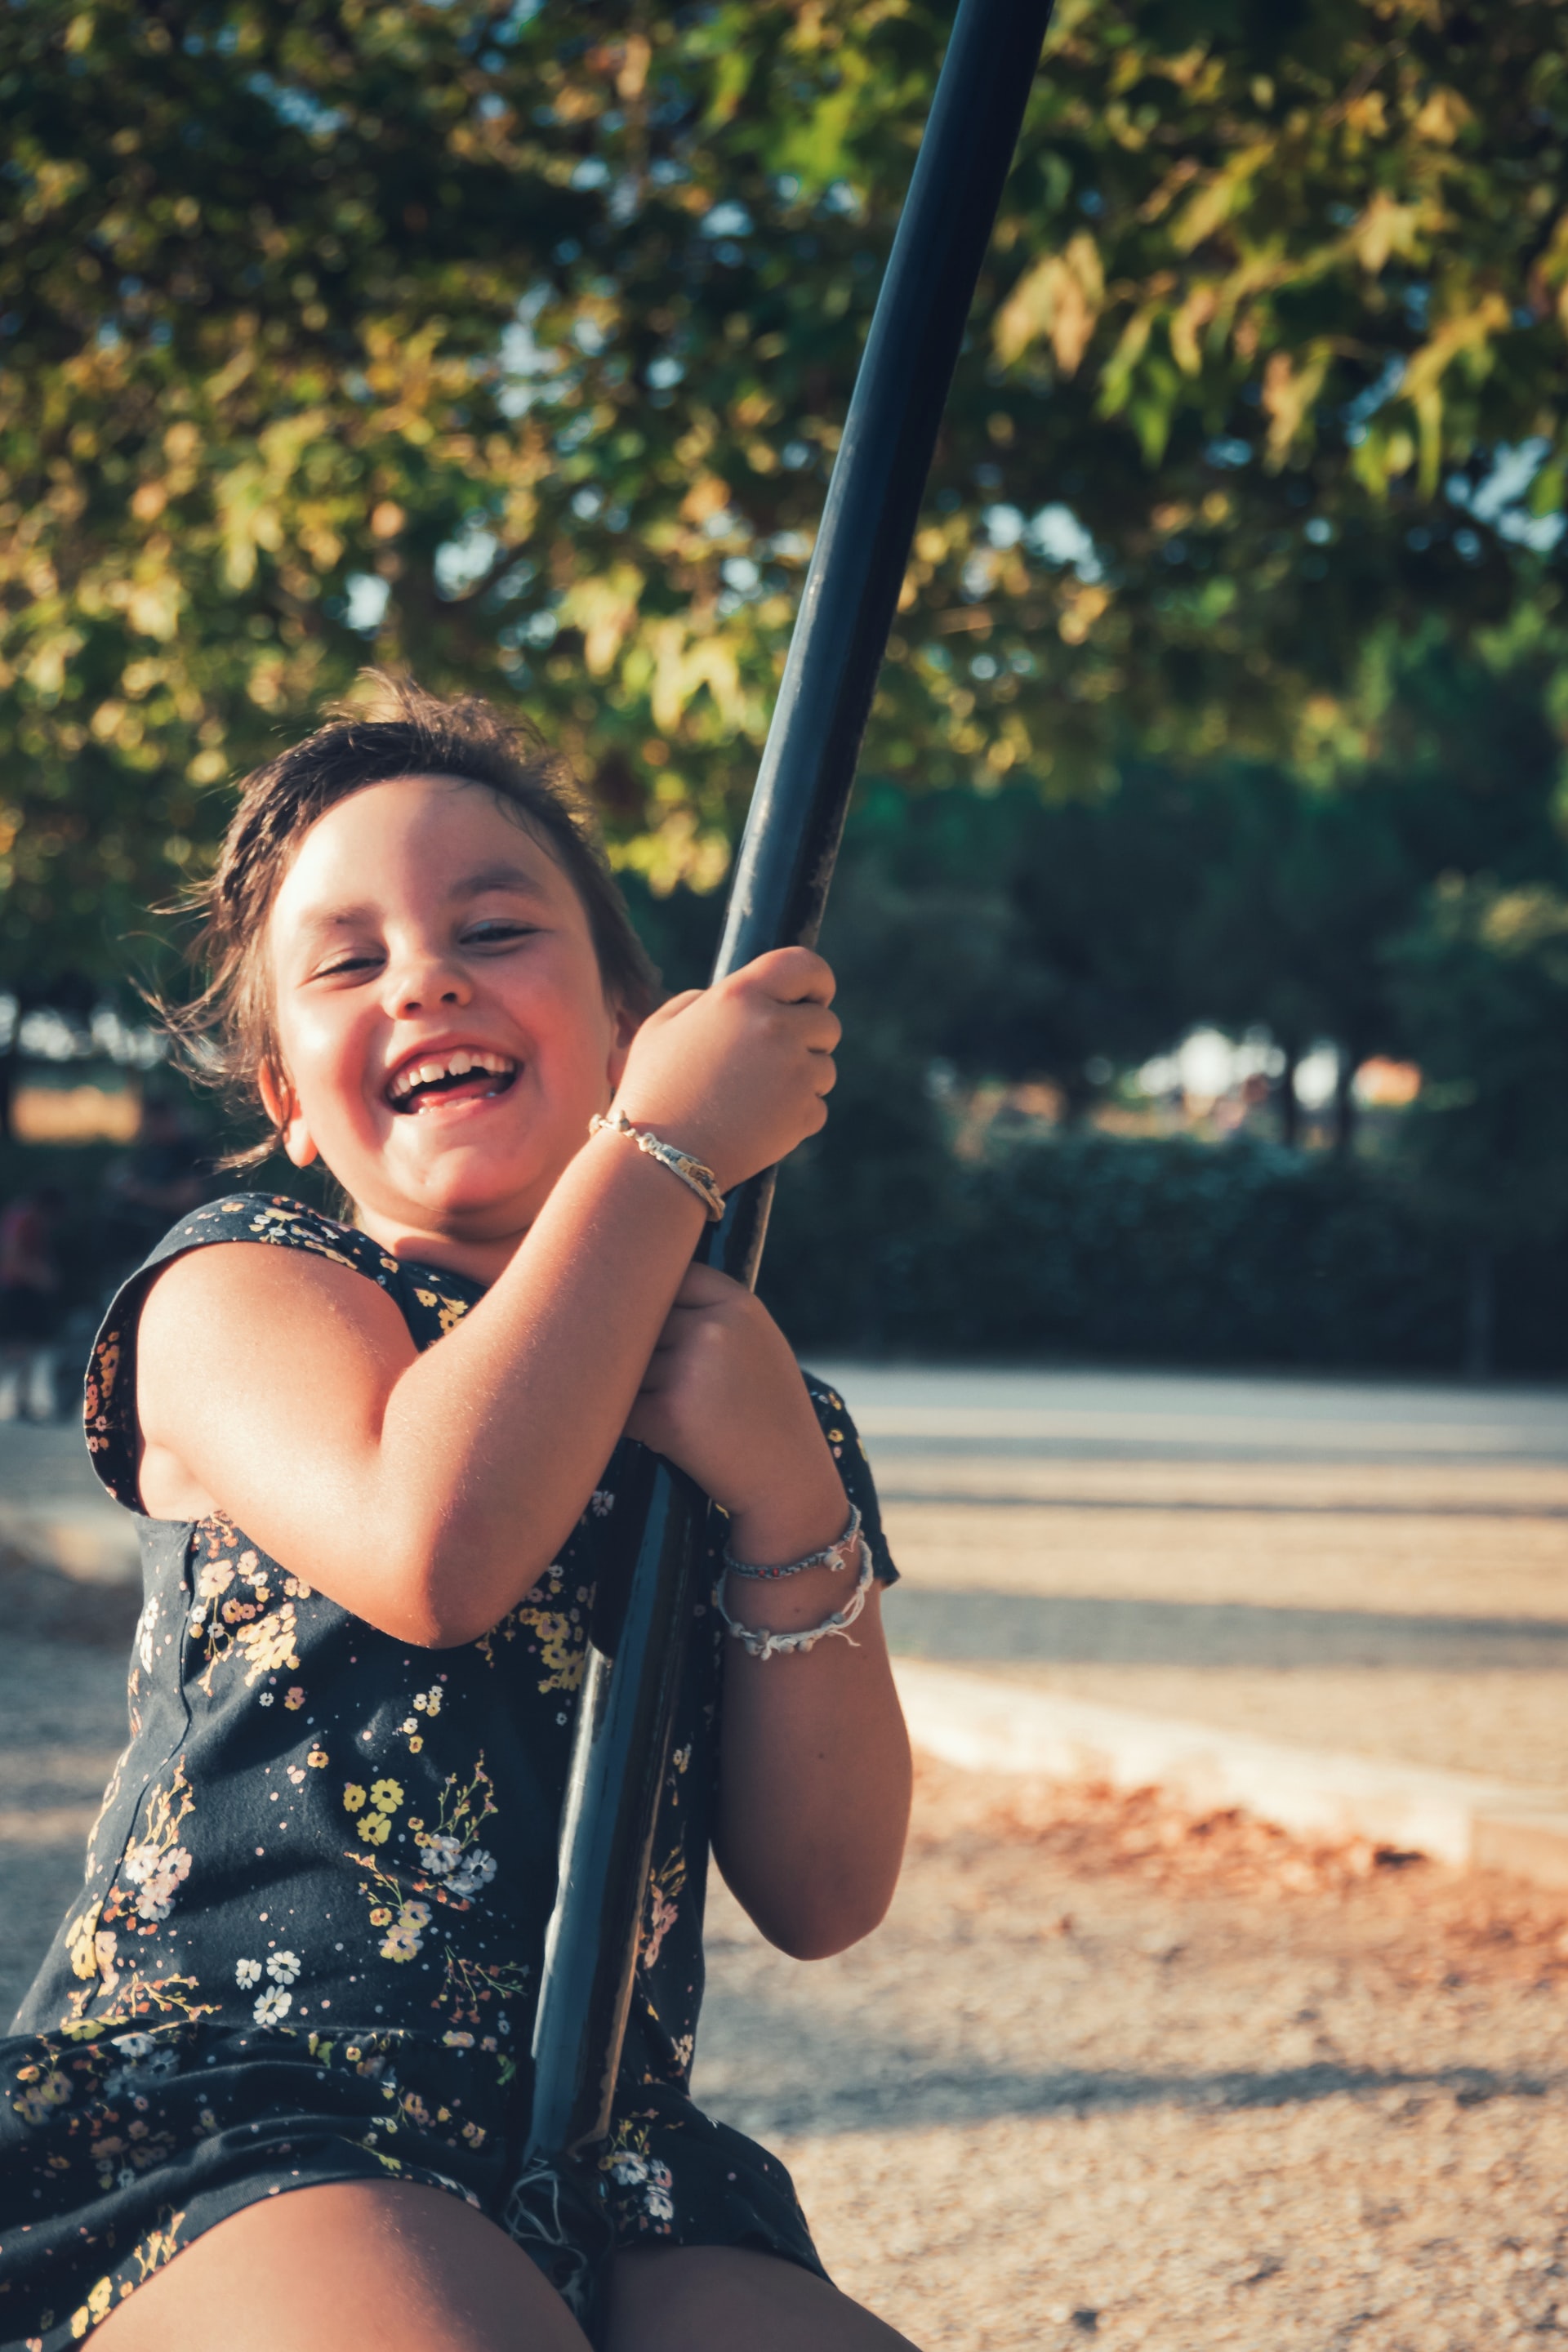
<point x="350" y="2266"/>
<point x="721" y="2299"/>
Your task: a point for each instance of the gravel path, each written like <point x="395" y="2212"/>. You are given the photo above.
<point x="1109" y="2073"/>
<point x="1106" y="2072"/>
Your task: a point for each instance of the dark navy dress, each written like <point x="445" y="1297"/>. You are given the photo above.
<point x="309" y="1944"/>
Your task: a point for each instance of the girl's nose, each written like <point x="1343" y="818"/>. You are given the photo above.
<point x="417" y="981"/>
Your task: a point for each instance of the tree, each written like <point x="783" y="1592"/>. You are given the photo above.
<point x="514" y="344"/>
<point x="1482" y="983"/>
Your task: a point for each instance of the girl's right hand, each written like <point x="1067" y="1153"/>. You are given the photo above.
<point x="736" y="1074"/>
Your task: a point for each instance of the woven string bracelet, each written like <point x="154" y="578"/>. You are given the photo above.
<point x="834" y="1556"/>
<point x="691" y="1173"/>
<point x="759" y="1644"/>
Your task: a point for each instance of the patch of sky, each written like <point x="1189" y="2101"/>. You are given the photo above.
<point x="573" y="434"/>
<point x="587" y="501"/>
<point x="524" y="363"/>
<point x="489" y="106"/>
<point x="364" y="601"/>
<point x="727" y="219"/>
<point x="1057" y="535"/>
<point x="786" y="187"/>
<point x="1320" y="530"/>
<point x="1226" y="450"/>
<point x="665" y="372"/>
<point x="1207" y="1063"/>
<point x="983" y="666"/>
<point x="840" y="197"/>
<point x="516" y="21"/>
<point x="720" y="525"/>
<point x="297" y="108"/>
<point x="794" y="455"/>
<point x="591" y="172"/>
<point x="1005" y="525"/>
<point x="664" y="172"/>
<point x="590" y="337"/>
<point x="976" y="577"/>
<point x="1365" y="405"/>
<point x="462" y="561"/>
<point x="49" y="1036"/>
<point x="788" y="546"/>
<point x="624" y="199"/>
<point x="137" y="1047"/>
<point x="741" y="574"/>
<point x="1496" y="502"/>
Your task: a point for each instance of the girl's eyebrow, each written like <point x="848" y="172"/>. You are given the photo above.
<point x="514" y="879"/>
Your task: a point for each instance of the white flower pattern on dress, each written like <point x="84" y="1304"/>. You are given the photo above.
<point x="279" y="1749"/>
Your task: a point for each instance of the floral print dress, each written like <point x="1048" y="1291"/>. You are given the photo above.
<point x="309" y="1944"/>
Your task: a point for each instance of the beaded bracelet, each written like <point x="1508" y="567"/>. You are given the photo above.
<point x="834" y="1556"/>
<point x="760" y="1644"/>
<point x="691" y="1173"/>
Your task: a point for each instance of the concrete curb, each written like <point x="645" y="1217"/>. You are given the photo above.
<point x="990" y="1723"/>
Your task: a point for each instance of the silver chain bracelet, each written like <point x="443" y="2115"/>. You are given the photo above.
<point x="693" y="1174"/>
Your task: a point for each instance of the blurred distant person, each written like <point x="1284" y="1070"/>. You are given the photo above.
<point x="29" y="1304"/>
<point x="163" y="1176"/>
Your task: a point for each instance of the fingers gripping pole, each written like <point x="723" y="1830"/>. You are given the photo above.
<point x="625" y="1711"/>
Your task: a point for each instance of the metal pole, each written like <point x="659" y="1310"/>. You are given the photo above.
<point x="785" y="862"/>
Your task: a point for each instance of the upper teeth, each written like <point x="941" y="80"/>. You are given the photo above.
<point x="448" y="1065"/>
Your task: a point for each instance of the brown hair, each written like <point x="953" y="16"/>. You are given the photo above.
<point x="228" y="1032"/>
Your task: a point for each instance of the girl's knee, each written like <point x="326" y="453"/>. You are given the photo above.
<point x="712" y="2298"/>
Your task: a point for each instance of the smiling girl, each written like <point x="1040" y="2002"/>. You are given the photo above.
<point x="272" y="2083"/>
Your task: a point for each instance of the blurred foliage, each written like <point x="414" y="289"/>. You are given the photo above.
<point x="513" y="343"/>
<point x="1018" y="937"/>
<point x="1091" y="1246"/>
<point x="1481" y="982"/>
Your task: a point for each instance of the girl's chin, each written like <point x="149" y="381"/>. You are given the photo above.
<point x="469" y="1174"/>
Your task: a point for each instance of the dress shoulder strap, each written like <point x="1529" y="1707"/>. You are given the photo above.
<point x="108" y="1412"/>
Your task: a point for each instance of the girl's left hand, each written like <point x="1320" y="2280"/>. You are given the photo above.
<point x="723" y="1399"/>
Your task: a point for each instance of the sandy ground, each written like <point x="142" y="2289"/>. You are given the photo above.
<point x="1106" y="2071"/>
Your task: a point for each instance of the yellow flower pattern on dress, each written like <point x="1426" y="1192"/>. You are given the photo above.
<point x="318" y="1887"/>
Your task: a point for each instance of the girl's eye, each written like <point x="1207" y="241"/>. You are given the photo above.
<point x="348" y="964"/>
<point x="497" y="932"/>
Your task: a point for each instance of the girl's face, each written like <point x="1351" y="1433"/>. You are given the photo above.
<point x="440" y="1014"/>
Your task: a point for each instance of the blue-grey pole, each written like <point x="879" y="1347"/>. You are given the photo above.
<point x="625" y="1713"/>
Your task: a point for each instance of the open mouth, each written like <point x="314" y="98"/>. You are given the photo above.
<point x="466" y="1074"/>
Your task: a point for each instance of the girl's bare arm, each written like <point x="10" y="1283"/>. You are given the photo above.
<point x="426" y="1492"/>
<point x="815" y="1771"/>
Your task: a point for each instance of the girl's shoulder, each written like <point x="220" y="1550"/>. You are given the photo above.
<point x="429" y="1303"/>
<point x="277" y="1222"/>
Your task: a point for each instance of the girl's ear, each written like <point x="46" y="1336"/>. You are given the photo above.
<point x="277" y="1101"/>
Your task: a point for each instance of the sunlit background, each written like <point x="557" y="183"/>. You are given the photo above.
<point x="1209" y="851"/>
